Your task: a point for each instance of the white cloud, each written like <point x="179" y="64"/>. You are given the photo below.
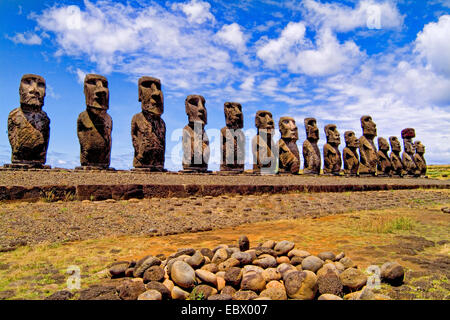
<point x="367" y="14"/>
<point x="28" y="38"/>
<point x="233" y="36"/>
<point x="80" y="75"/>
<point x="433" y="44"/>
<point x="196" y="11"/>
<point x="141" y="40"/>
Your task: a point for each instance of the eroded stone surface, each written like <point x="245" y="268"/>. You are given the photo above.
<point x="289" y="157"/>
<point x="311" y="153"/>
<point x="263" y="146"/>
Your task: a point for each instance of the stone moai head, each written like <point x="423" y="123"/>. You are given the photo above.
<point x="395" y="144"/>
<point x="407" y="135"/>
<point x="195" y="109"/>
<point x="383" y="145"/>
<point x="96" y="92"/>
<point x="264" y="121"/>
<point x="288" y="128"/>
<point x="151" y="96"/>
<point x="333" y="136"/>
<point x="420" y="148"/>
<point x="312" y="131"/>
<point x="369" y="127"/>
<point x="32" y="91"/>
<point x="351" y="141"/>
<point x="233" y="115"/>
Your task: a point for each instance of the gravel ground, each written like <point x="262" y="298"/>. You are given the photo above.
<point x="24" y="223"/>
<point x="72" y="177"/>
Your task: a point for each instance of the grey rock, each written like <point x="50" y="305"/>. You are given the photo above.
<point x="312" y="263"/>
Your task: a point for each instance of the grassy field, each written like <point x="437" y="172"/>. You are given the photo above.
<point x="417" y="238"/>
<point x="441" y="172"/>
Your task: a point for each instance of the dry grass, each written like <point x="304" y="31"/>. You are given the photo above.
<point x="441" y="172"/>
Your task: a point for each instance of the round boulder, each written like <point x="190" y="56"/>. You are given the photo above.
<point x="150" y="295"/>
<point x="312" y="263"/>
<point x="301" y="285"/>
<point x="330" y="283"/>
<point x="206" y="276"/>
<point x="353" y="279"/>
<point x="233" y="276"/>
<point x="392" y="273"/>
<point x="183" y="274"/>
<point x="154" y="273"/>
<point x="253" y="281"/>
<point x="243" y="243"/>
<point x="327" y="255"/>
<point x="283" y="247"/>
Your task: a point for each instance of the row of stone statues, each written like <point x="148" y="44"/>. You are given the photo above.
<point x="29" y="128"/>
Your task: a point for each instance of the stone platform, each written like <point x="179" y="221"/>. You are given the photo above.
<point x="65" y="184"/>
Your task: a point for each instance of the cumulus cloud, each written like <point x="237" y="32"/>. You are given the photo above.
<point x="433" y="44"/>
<point x="326" y="57"/>
<point x="196" y="11"/>
<point x="341" y="18"/>
<point x="28" y="38"/>
<point x="233" y="36"/>
<point x="142" y="40"/>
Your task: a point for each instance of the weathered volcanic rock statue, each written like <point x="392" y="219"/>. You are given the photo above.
<point x="331" y="153"/>
<point x="29" y="126"/>
<point x="148" y="130"/>
<point x="408" y="152"/>
<point x="419" y="159"/>
<point x="396" y="161"/>
<point x="94" y="125"/>
<point x="384" y="162"/>
<point x="288" y="154"/>
<point x="232" y="139"/>
<point x="195" y="140"/>
<point x="367" y="151"/>
<point x="311" y="153"/>
<point x="350" y="154"/>
<point x="263" y="146"/>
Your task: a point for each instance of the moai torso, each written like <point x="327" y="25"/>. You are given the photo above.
<point x="368" y="152"/>
<point x="94" y="125"/>
<point x="311" y="153"/>
<point x="395" y="158"/>
<point x="232" y="139"/>
<point x="331" y="153"/>
<point x="408" y="152"/>
<point x="263" y="146"/>
<point x="28" y="125"/>
<point x="350" y="154"/>
<point x="288" y="154"/>
<point x="384" y="163"/>
<point x="148" y="129"/>
<point x="195" y="141"/>
<point x="419" y="159"/>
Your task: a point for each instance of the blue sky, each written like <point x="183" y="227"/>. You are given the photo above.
<point x="332" y="60"/>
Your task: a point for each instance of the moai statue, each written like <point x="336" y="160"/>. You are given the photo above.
<point x="232" y="139"/>
<point x="94" y="125"/>
<point x="288" y="154"/>
<point x="311" y="153"/>
<point x="350" y="155"/>
<point x="384" y="163"/>
<point x="367" y="151"/>
<point x="419" y="159"/>
<point x="396" y="161"/>
<point x="195" y="140"/>
<point x="263" y="146"/>
<point x="148" y="130"/>
<point x="29" y="126"/>
<point x="408" y="152"/>
<point x="331" y="153"/>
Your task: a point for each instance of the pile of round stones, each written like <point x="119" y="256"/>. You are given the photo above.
<point x="270" y="271"/>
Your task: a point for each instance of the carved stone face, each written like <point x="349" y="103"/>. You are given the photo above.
<point x="420" y="148"/>
<point x="383" y="145"/>
<point x="233" y="115"/>
<point x="195" y="109"/>
<point x="351" y="141"/>
<point x="32" y="90"/>
<point x="288" y="128"/>
<point x="264" y="121"/>
<point x="333" y="136"/>
<point x="369" y="127"/>
<point x="409" y="148"/>
<point x="96" y="92"/>
<point x="312" y="131"/>
<point x="395" y="144"/>
<point x="151" y="96"/>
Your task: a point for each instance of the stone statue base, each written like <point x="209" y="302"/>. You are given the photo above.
<point x="96" y="168"/>
<point x="149" y="169"/>
<point x="230" y="172"/>
<point x="194" y="171"/>
<point x="26" y="166"/>
<point x="332" y="174"/>
<point x="287" y="173"/>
